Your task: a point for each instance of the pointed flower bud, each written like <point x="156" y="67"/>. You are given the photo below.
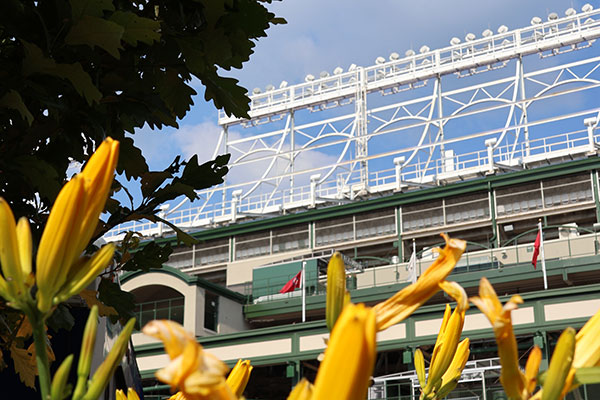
<point x="560" y="365"/>
<point x="239" y="376"/>
<point x="72" y="222"/>
<point x="87" y="352"/>
<point x="336" y="289"/>
<point x="59" y="382"/>
<point x="302" y="391"/>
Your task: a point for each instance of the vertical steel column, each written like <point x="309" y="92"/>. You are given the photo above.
<point x="292" y="154"/>
<point x="440" y="123"/>
<point x="523" y="105"/>
<point x="360" y="131"/>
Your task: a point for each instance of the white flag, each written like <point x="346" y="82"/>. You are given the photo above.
<point x="412" y="267"/>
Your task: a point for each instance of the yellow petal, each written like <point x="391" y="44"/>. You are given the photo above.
<point x="560" y="365"/>
<point x="172" y="334"/>
<point x="336" y="288"/>
<point x="420" y="367"/>
<point x="452" y="375"/>
<point x="531" y="369"/>
<point x="25" y="246"/>
<point x="302" y="391"/>
<point x="511" y="377"/>
<point x="86" y="274"/>
<point x="349" y="358"/>
<point x="9" y="250"/>
<point x="239" y="376"/>
<point x="405" y="302"/>
<point x="120" y="395"/>
<point x="51" y="266"/>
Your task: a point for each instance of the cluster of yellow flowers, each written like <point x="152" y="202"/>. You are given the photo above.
<point x="61" y="271"/>
<point x="349" y="359"/>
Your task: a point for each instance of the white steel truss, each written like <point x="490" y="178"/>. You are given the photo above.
<point x="450" y="114"/>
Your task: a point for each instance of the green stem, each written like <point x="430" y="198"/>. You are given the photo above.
<point x="41" y="356"/>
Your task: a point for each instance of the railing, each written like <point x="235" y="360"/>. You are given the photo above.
<point x="171" y="309"/>
<point x="508" y="256"/>
<point x="572" y="142"/>
<point x="485" y="51"/>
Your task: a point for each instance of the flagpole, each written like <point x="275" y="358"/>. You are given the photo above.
<point x="303" y="291"/>
<point x="542" y="251"/>
<point x="415" y="253"/>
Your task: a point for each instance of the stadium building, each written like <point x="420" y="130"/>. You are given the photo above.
<point x="486" y="139"/>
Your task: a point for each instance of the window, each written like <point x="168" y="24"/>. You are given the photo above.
<point x="211" y="311"/>
<point x="158" y="302"/>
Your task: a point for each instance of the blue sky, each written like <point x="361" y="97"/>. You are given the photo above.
<point x="321" y="35"/>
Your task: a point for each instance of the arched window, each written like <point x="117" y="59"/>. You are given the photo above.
<point x="158" y="302"/>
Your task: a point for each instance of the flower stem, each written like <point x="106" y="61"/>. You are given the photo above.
<point x="39" y="338"/>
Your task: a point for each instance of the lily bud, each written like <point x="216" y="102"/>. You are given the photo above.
<point x="57" y="390"/>
<point x="336" y="289"/>
<point x="560" y="364"/>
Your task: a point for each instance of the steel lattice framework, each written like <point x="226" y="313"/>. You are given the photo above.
<point x="507" y="101"/>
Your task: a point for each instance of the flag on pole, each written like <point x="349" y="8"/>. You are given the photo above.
<point x="536" y="248"/>
<point x="412" y="267"/>
<point x="292" y="284"/>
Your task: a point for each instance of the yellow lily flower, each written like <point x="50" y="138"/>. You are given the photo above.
<point x="71" y="225"/>
<point x="405" y="302"/>
<point x="302" y="391"/>
<point x="60" y="269"/>
<point x="131" y="395"/>
<point x="239" y="376"/>
<point x="197" y="374"/>
<point x="336" y="289"/>
<point x="511" y="377"/>
<point x="454" y="371"/>
<point x="445" y="349"/>
<point x="349" y="358"/>
<point x="15" y="256"/>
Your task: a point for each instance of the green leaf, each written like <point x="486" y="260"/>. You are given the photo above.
<point x="36" y="63"/>
<point x="12" y="99"/>
<point x="153" y="180"/>
<point x="111" y="294"/>
<point x="137" y="29"/>
<point x="94" y="8"/>
<point x="226" y="94"/>
<point x="94" y="31"/>
<point x="175" y="93"/>
<point x="61" y="318"/>
<point x="151" y="256"/>
<point x="589" y="375"/>
<point x="41" y="174"/>
<point x="131" y="159"/>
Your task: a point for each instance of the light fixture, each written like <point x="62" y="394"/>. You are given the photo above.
<point x="256" y="91"/>
<point x="379" y="60"/>
<point x="502" y="29"/>
<point x="536" y="21"/>
<point x="394" y="56"/>
<point x="587" y="7"/>
<point x="424" y="49"/>
<point x="324" y="74"/>
<point x="283" y="84"/>
<point x="470" y="37"/>
<point x="487" y="33"/>
<point x="338" y="70"/>
<point x="409" y="53"/>
<point x="309" y="78"/>
<point x="570" y="12"/>
<point x="552" y="16"/>
<point x="352" y="67"/>
<point x="269" y="88"/>
<point x="454" y="41"/>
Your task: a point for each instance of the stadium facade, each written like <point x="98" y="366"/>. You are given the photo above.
<point x="483" y="140"/>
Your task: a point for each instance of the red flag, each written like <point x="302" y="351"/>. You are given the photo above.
<point x="536" y="250"/>
<point x="293" y="284"/>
